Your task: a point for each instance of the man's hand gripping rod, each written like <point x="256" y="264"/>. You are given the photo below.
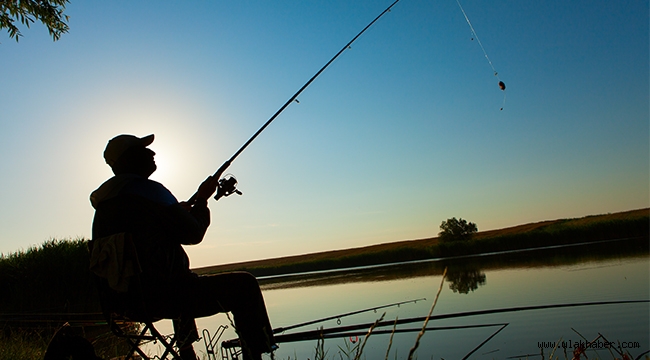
<point x="227" y="185"/>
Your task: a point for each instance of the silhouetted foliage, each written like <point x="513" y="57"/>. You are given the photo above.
<point x="464" y="281"/>
<point x="456" y="229"/>
<point x="49" y="12"/>
<point x="53" y="277"/>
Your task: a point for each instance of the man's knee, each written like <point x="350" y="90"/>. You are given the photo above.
<point x="245" y="277"/>
<point x="245" y="281"/>
<point x="227" y="283"/>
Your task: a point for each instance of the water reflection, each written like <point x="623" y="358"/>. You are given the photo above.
<point x="566" y="275"/>
<point x="554" y="276"/>
<point x="465" y="280"/>
<point x="551" y="257"/>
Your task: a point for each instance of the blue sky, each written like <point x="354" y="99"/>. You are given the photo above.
<point x="400" y="133"/>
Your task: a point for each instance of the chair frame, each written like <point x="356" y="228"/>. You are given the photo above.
<point x="148" y="333"/>
<point x="120" y="322"/>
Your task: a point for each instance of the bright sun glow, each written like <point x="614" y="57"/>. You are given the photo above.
<point x="169" y="161"/>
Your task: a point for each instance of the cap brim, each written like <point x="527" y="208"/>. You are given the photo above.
<point x="147" y="140"/>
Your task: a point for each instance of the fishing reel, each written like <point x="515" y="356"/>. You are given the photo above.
<point x="227" y="187"/>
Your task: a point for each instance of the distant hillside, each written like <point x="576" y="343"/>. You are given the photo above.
<point x="629" y="224"/>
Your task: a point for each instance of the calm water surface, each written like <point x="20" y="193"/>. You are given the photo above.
<point x="480" y="286"/>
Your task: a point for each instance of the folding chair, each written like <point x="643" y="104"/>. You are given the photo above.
<point x="114" y="263"/>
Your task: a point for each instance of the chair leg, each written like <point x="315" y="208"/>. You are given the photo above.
<point x="134" y="342"/>
<point x="169" y="346"/>
<point x="149" y="333"/>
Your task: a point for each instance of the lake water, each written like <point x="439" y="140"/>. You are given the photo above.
<point x="472" y="284"/>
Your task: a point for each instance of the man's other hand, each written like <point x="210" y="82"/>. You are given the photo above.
<point x="207" y="188"/>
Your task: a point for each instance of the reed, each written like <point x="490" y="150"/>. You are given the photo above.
<point x="426" y="321"/>
<point x="390" y="340"/>
<point x="365" y="338"/>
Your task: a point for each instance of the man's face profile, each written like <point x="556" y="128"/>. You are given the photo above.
<point x="136" y="160"/>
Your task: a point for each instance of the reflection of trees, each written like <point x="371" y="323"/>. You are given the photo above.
<point x="465" y="280"/>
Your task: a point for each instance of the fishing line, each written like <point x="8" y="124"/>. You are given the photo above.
<point x="347" y="329"/>
<point x="333" y="333"/>
<point x="502" y="85"/>
<point x="339" y="316"/>
<point x="230" y="187"/>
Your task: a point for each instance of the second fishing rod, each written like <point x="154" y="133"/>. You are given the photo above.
<point x="228" y="185"/>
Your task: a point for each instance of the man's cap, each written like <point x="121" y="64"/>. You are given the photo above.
<point x="119" y="144"/>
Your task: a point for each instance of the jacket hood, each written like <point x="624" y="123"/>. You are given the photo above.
<point x="111" y="188"/>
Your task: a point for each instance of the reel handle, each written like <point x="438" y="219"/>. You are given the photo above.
<point x="227" y="187"/>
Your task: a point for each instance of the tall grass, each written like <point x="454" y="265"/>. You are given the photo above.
<point x="51" y="278"/>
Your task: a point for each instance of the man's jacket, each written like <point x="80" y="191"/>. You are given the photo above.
<point x="158" y="225"/>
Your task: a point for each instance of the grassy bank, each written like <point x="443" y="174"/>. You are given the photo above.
<point x="629" y="224"/>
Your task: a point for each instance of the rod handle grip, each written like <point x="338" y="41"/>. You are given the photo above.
<point x="218" y="173"/>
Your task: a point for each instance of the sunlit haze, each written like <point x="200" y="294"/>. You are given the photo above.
<point x="401" y="132"/>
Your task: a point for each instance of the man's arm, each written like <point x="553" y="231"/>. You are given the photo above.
<point x="189" y="227"/>
<point x="206" y="189"/>
<point x="194" y="219"/>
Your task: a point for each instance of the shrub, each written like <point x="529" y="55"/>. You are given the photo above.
<point x="457" y="230"/>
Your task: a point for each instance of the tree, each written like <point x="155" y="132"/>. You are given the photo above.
<point x="49" y="12"/>
<point x="456" y="229"/>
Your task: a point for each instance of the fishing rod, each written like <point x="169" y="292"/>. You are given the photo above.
<point x="322" y="335"/>
<point x="227" y="185"/>
<point x="331" y="333"/>
<point x="397" y="331"/>
<point x="339" y="316"/>
<point x="309" y="335"/>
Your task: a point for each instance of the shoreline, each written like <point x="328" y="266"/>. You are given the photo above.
<point x="544" y="234"/>
<point x="443" y="259"/>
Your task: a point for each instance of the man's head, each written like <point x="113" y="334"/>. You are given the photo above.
<point x="129" y="154"/>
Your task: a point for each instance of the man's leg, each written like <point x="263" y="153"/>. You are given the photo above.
<point x="186" y="334"/>
<point x="239" y="293"/>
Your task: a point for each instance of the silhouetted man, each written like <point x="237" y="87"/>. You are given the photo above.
<point x="130" y="203"/>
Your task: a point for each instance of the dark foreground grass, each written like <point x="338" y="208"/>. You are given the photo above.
<point x="31" y="343"/>
<point x="27" y="345"/>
